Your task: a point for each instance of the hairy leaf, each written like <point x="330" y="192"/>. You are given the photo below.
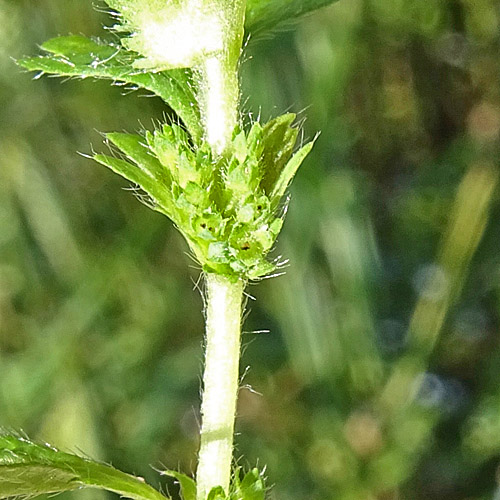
<point x="252" y="486"/>
<point x="188" y="486"/>
<point x="264" y="15"/>
<point x="180" y="34"/>
<point x="83" y="57"/>
<point x="132" y="145"/>
<point x="289" y="171"/>
<point x="28" y="469"/>
<point x="278" y="140"/>
<point x="161" y="198"/>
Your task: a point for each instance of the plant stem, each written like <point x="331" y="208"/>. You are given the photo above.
<point x="220" y="382"/>
<point x="217" y="78"/>
<point x="219" y="97"/>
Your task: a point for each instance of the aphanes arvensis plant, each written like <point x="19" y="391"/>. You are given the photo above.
<point x="223" y="185"/>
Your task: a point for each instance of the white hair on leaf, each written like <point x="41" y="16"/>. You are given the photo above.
<point x="175" y="36"/>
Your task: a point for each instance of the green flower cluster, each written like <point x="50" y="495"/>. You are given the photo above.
<point x="227" y="207"/>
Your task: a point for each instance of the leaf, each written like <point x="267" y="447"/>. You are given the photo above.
<point x="28" y="469"/>
<point x="278" y="139"/>
<point x="252" y="487"/>
<point x="162" y="197"/>
<point x="83" y="57"/>
<point x="265" y="15"/>
<point x="188" y="486"/>
<point x="134" y="148"/>
<point x="289" y="171"/>
<point x="217" y="493"/>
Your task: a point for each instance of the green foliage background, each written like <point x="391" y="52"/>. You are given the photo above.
<point x="379" y="377"/>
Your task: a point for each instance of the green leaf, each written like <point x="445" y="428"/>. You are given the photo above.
<point x="188" y="486"/>
<point x="217" y="493"/>
<point x="289" y="171"/>
<point x="83" y="57"/>
<point x="278" y="139"/>
<point x="252" y="486"/>
<point x="162" y="197"/>
<point x="28" y="469"/>
<point x="134" y="148"/>
<point x="264" y="15"/>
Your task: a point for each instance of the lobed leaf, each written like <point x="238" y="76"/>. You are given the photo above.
<point x="28" y="469"/>
<point x="265" y="15"/>
<point x="83" y="57"/>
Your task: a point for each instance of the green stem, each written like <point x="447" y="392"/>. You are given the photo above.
<point x="219" y="96"/>
<point x="220" y="382"/>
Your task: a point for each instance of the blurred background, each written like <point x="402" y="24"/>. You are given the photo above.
<point x="379" y="379"/>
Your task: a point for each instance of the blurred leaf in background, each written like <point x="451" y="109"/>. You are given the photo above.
<point x="379" y="379"/>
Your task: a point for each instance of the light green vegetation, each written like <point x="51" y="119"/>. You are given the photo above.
<point x="379" y="379"/>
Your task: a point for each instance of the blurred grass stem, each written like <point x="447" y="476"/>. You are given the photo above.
<point x="220" y="382"/>
<point x="467" y="223"/>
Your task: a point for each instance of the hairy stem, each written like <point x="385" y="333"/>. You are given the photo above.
<point x="217" y="77"/>
<point x="220" y="382"/>
<point x="219" y="96"/>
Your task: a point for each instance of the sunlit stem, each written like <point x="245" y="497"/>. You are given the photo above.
<point x="219" y="99"/>
<point x="220" y="382"/>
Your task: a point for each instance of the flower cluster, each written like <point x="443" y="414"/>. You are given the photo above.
<point x="227" y="207"/>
